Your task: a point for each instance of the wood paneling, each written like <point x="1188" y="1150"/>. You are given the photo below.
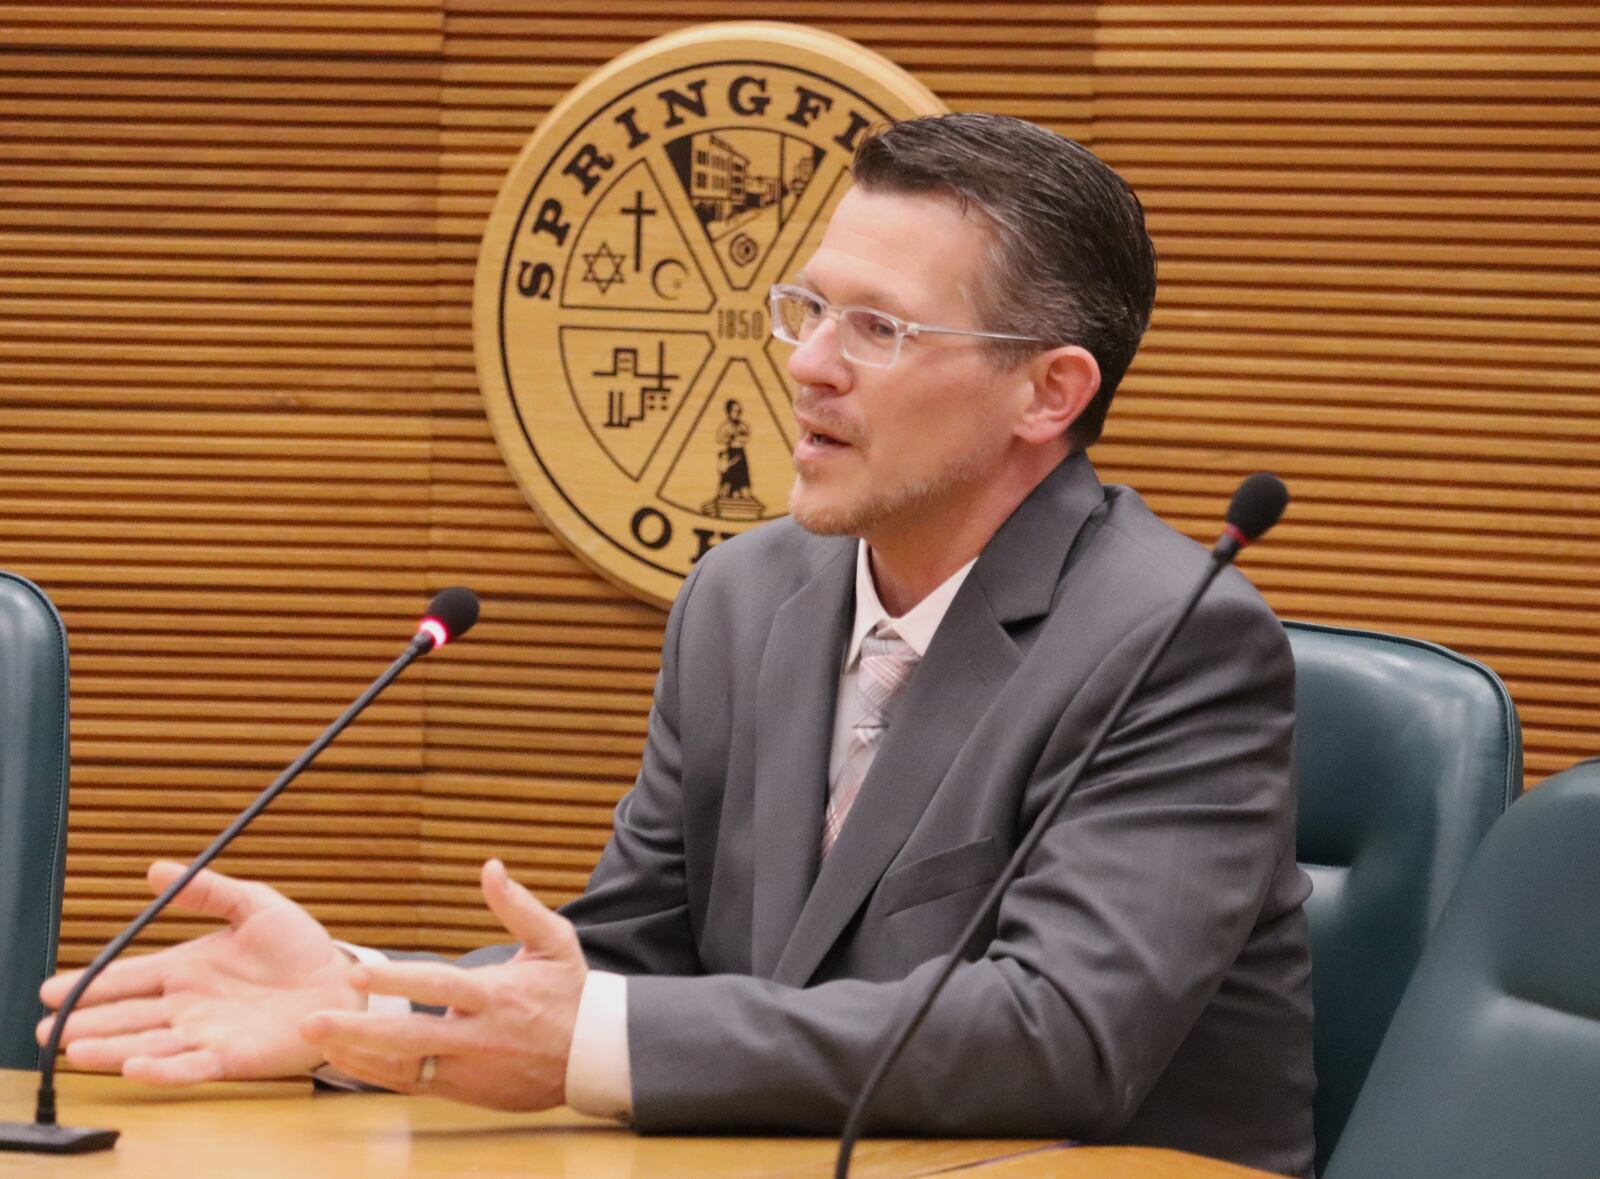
<point x="1379" y="230"/>
<point x="242" y="439"/>
<point x="217" y="359"/>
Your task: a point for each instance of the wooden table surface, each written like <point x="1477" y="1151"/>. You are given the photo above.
<point x="283" y="1130"/>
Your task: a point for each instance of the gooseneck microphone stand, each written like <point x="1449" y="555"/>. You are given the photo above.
<point x="1256" y="506"/>
<point x="451" y="613"/>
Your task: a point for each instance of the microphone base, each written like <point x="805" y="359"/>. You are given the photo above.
<point x="38" y="1138"/>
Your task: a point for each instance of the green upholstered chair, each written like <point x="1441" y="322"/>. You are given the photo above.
<point x="1491" y="1067"/>
<point x="1406" y="754"/>
<point x="33" y="807"/>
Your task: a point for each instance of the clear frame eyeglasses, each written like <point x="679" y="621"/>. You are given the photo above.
<point x="866" y="336"/>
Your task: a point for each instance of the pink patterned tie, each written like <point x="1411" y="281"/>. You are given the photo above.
<point x="887" y="662"/>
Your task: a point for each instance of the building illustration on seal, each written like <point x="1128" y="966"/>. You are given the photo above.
<point x="743" y="186"/>
<point x="721" y="182"/>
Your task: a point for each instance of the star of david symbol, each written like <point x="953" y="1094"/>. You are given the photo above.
<point x="603" y="268"/>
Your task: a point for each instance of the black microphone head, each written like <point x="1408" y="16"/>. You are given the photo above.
<point x="1257" y="505"/>
<point x="452" y="613"/>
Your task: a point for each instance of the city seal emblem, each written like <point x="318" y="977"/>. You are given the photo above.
<point x="620" y="309"/>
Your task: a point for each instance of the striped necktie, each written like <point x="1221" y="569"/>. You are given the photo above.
<point x="887" y="662"/>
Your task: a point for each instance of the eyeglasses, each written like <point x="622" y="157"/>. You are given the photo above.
<point x="866" y="336"/>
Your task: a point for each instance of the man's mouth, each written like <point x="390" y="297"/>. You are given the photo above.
<point x="818" y="431"/>
<point x="820" y="435"/>
<point x="819" y="439"/>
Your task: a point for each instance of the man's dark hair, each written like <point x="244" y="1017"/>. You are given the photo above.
<point x="1072" y="261"/>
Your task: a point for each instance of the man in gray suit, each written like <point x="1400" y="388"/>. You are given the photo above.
<point x="859" y="714"/>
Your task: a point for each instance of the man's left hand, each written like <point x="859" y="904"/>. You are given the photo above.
<point x="504" y="1039"/>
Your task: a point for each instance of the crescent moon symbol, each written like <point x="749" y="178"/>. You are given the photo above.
<point x="655" y="278"/>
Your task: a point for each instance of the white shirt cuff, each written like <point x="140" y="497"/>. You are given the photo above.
<point x="376" y="1005"/>
<point x="599" y="1074"/>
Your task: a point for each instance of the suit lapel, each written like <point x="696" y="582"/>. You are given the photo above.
<point x="795" y="691"/>
<point x="966" y="664"/>
<point x="971" y="658"/>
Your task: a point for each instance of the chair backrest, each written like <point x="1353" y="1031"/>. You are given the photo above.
<point x="1492" y="1064"/>
<point x="33" y="807"/>
<point x="1406" y="754"/>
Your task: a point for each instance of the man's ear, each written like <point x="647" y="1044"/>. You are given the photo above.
<point x="1064" y="381"/>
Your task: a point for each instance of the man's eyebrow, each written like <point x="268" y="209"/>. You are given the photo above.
<point x="876" y="298"/>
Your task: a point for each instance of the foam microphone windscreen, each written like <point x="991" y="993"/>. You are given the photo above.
<point x="1257" y="504"/>
<point x="456" y="609"/>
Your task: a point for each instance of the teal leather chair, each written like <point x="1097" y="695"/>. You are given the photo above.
<point x="1491" y="1067"/>
<point x="1406" y="754"/>
<point x="33" y="807"/>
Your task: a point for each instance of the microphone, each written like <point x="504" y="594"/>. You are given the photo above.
<point x="450" y="615"/>
<point x="1256" y="507"/>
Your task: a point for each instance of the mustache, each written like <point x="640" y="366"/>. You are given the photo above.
<point x="825" y="421"/>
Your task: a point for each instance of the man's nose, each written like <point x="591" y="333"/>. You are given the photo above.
<point x="817" y="360"/>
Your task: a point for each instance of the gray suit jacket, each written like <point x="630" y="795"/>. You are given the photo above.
<point x="1147" y="977"/>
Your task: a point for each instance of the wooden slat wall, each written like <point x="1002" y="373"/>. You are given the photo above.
<point x="220" y="301"/>
<point x="1380" y="233"/>
<point x="241" y="436"/>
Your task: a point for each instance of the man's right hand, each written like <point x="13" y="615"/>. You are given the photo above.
<point x="224" y="1006"/>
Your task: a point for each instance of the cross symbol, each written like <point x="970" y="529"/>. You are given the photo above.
<point x="638" y="212"/>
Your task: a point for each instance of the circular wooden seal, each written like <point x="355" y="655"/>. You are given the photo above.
<point x="620" y="310"/>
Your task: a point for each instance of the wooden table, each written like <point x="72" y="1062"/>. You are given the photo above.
<point x="282" y="1130"/>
